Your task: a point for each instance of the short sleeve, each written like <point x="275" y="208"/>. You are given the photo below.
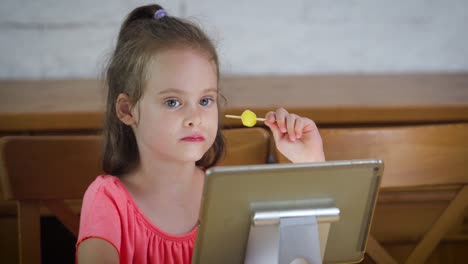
<point x="100" y="214"/>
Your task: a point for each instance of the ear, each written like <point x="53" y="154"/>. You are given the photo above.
<point x="123" y="108"/>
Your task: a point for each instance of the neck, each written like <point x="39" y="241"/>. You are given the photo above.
<point x="156" y="175"/>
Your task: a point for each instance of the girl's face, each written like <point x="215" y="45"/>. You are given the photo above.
<point x="177" y="115"/>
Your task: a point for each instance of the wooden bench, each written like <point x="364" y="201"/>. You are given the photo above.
<point x="50" y="171"/>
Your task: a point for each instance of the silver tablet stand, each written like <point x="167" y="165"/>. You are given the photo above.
<point x="290" y="236"/>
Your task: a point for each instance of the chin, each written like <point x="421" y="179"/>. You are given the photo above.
<point x="192" y="156"/>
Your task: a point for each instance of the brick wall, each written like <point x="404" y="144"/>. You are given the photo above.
<point x="71" y="39"/>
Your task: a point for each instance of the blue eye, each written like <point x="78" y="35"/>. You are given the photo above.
<point x="172" y="103"/>
<point x="206" y="101"/>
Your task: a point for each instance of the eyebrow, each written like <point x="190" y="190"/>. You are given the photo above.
<point x="174" y="90"/>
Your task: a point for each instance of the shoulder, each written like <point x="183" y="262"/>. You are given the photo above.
<point x="103" y="212"/>
<point x="105" y="189"/>
<point x="107" y="184"/>
<point x="105" y="203"/>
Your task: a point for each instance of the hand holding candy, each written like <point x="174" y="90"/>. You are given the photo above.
<point x="296" y="137"/>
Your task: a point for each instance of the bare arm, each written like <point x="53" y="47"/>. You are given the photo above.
<point x="96" y="250"/>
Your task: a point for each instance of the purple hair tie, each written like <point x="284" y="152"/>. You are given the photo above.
<point x="160" y="13"/>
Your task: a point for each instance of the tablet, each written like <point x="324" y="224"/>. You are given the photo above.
<point x="233" y="193"/>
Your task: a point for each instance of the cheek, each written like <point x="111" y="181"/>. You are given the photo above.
<point x="214" y="118"/>
<point x="214" y="126"/>
<point x="154" y="126"/>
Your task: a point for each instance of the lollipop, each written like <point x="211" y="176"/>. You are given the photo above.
<point x="249" y="118"/>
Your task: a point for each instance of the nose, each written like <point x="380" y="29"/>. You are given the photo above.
<point x="193" y="117"/>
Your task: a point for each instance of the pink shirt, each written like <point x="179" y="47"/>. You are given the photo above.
<point x="109" y="212"/>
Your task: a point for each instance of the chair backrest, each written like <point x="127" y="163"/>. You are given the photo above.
<point x="47" y="170"/>
<point x="246" y="146"/>
<point x="413" y="155"/>
<point x="48" y="167"/>
<point x="424" y="190"/>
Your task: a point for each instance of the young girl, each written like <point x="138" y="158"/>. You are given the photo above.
<point x="161" y="133"/>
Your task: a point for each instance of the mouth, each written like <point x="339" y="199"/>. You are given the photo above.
<point x="194" y="138"/>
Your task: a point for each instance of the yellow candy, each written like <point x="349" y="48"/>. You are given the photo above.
<point x="249" y="119"/>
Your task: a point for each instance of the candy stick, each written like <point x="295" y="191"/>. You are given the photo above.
<point x="239" y="117"/>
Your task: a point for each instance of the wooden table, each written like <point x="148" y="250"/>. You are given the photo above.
<point x="333" y="100"/>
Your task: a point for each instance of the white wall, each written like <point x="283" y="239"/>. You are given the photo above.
<point x="71" y="39"/>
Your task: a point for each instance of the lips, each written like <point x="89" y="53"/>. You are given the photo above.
<point x="194" y="138"/>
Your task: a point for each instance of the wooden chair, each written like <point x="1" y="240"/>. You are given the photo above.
<point x="424" y="191"/>
<point x="44" y="171"/>
<point x="50" y="170"/>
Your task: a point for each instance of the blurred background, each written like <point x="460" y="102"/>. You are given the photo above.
<point x="52" y="39"/>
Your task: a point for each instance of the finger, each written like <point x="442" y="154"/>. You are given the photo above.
<point x="270" y="117"/>
<point x="281" y="114"/>
<point x="299" y="127"/>
<point x="290" y="123"/>
<point x="274" y="130"/>
<point x="309" y="125"/>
